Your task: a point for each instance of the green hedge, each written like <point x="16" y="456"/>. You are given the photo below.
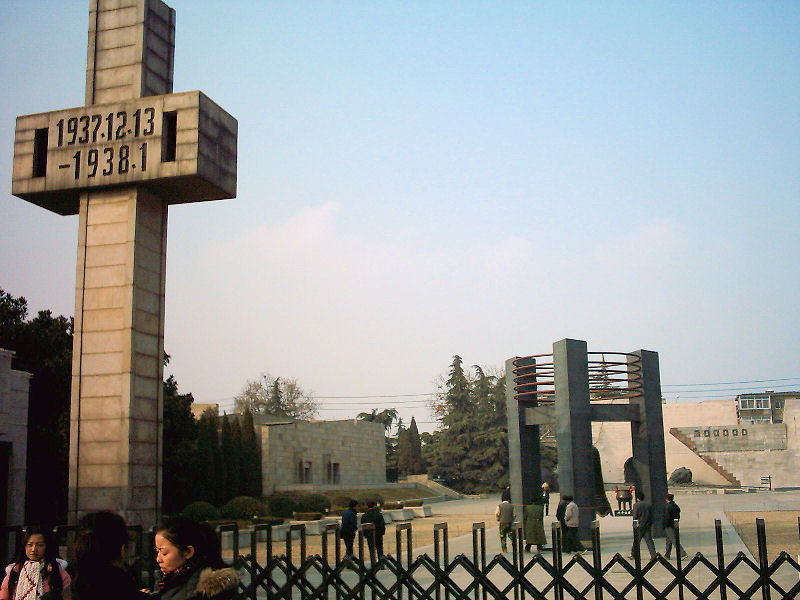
<point x="201" y="511"/>
<point x="392" y="506"/>
<point x="243" y="508"/>
<point x="417" y="502"/>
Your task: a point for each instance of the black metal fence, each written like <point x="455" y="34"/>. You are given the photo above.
<point x="554" y="575"/>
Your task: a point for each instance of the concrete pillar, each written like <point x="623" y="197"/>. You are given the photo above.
<point x="118" y="350"/>
<point x="524" y="461"/>
<point x="647" y="435"/>
<point x="115" y="430"/>
<point x="574" y="428"/>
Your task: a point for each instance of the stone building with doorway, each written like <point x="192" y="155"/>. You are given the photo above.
<point x="320" y="455"/>
<point x="727" y="443"/>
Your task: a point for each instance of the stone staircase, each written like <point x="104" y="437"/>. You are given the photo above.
<point x="687" y="441"/>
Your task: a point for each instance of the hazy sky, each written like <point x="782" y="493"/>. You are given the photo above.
<point x="423" y="179"/>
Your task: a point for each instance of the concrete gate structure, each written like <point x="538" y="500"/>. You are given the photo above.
<point x="571" y="388"/>
<point x="118" y="162"/>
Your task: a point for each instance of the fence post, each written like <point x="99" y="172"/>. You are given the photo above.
<point x="362" y="568"/>
<point x="763" y="561"/>
<point x="267" y="528"/>
<point x="479" y="532"/>
<point x="301" y="528"/>
<point x="637" y="559"/>
<point x="723" y="588"/>
<point x="558" y="562"/>
<point x="234" y="529"/>
<point x="150" y="561"/>
<point x="516" y="555"/>
<point x="437" y="527"/>
<point x="596" y="559"/>
<point x="678" y="552"/>
<point x="398" y="532"/>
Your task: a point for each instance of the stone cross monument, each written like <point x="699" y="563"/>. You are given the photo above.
<point x="119" y="162"/>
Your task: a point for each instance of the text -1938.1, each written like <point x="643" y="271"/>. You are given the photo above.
<point x="103" y="162"/>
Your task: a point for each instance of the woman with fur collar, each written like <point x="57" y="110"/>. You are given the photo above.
<point x="191" y="566"/>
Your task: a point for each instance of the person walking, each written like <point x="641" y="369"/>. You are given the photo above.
<point x="672" y="513"/>
<point x="348" y="529"/>
<point x="506" y="495"/>
<point x="373" y="515"/>
<point x="505" y="517"/>
<point x="533" y="515"/>
<point x="571" y="521"/>
<point x="642" y="513"/>
<point x="546" y="497"/>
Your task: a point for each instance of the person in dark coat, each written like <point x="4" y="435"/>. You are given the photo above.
<point x="100" y="548"/>
<point x="373" y="515"/>
<point x="506" y="495"/>
<point x="561" y="509"/>
<point x="349" y="528"/>
<point x="188" y="554"/>
<point x="546" y="497"/>
<point x="642" y="512"/>
<point x="672" y="513"/>
<point x="533" y="515"/>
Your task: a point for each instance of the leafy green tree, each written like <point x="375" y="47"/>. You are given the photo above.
<point x="470" y="450"/>
<point x="282" y="397"/>
<point x="43" y="347"/>
<point x="181" y="466"/>
<point x="409" y="450"/>
<point x="385" y="417"/>
<point x="209" y="456"/>
<point x="230" y="485"/>
<point x="251" y="458"/>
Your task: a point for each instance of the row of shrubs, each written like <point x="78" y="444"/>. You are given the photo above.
<point x="283" y="505"/>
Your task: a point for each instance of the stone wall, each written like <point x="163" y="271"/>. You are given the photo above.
<point x="357" y="447"/>
<point x="613" y="440"/>
<point x="749" y="467"/>
<point x="737" y="438"/>
<point x="765" y="450"/>
<point x="14" y="435"/>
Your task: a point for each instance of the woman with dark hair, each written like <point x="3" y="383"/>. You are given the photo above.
<point x="37" y="573"/>
<point x="188" y="554"/>
<point x="100" y="547"/>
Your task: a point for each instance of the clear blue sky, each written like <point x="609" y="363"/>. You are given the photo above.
<point x="423" y="179"/>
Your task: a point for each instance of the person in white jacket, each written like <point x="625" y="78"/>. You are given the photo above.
<point x="572" y="520"/>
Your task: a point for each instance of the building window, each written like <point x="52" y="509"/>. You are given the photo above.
<point x="735" y="433"/>
<point x="779" y="402"/>
<point x="706" y="433"/>
<point x="724" y="433"/>
<point x="747" y="403"/>
<point x="716" y="433"/>
<point x="744" y="431"/>
<point x="335" y="473"/>
<point x="696" y="433"/>
<point x="762" y="402"/>
<point x="304" y="471"/>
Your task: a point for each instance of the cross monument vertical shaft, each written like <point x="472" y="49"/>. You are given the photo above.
<point x="118" y="162"/>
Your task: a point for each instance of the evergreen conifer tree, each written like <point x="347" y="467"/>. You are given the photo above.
<point x="250" y="471"/>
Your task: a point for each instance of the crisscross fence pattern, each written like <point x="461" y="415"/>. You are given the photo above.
<point x="269" y="572"/>
<point x="554" y="575"/>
